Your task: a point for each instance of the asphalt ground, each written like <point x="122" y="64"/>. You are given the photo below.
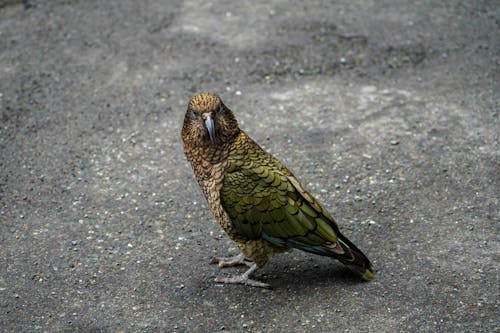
<point x="388" y="112"/>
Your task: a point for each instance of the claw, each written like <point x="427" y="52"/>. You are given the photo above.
<point x="243" y="278"/>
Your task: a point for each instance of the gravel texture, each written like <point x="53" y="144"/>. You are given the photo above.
<point x="388" y="111"/>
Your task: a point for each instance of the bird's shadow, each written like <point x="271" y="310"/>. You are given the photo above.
<point x="304" y="275"/>
<point x="292" y="274"/>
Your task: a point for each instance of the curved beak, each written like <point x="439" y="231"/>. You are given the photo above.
<point x="209" y="123"/>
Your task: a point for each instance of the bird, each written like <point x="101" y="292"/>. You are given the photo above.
<point x="256" y="200"/>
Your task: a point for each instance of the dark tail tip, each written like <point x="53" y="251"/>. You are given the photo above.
<point x="362" y="268"/>
<point x="357" y="261"/>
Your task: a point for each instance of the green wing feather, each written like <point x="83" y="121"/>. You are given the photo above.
<point x="261" y="196"/>
<point x="265" y="201"/>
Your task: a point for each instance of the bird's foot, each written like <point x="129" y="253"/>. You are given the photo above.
<point x="243" y="279"/>
<point x="231" y="261"/>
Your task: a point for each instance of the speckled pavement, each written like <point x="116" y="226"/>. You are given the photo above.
<point x="388" y="113"/>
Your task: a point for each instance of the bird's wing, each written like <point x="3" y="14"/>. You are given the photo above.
<point x="264" y="200"/>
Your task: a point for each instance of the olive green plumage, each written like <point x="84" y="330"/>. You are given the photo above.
<point x="256" y="199"/>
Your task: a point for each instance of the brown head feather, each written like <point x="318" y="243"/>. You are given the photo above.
<point x="194" y="131"/>
<point x="205" y="102"/>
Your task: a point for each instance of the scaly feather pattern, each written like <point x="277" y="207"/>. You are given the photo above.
<point x="265" y="201"/>
<point x="257" y="200"/>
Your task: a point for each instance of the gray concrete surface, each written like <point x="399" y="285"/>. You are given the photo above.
<point x="386" y="110"/>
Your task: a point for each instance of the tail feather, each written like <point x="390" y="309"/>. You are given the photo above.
<point x="343" y="250"/>
<point x="354" y="259"/>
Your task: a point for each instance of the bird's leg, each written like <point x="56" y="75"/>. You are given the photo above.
<point x="231" y="261"/>
<point x="244" y="279"/>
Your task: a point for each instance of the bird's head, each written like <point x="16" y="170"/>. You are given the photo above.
<point x="208" y="122"/>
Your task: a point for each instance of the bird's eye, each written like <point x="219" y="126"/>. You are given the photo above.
<point x="196" y="113"/>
